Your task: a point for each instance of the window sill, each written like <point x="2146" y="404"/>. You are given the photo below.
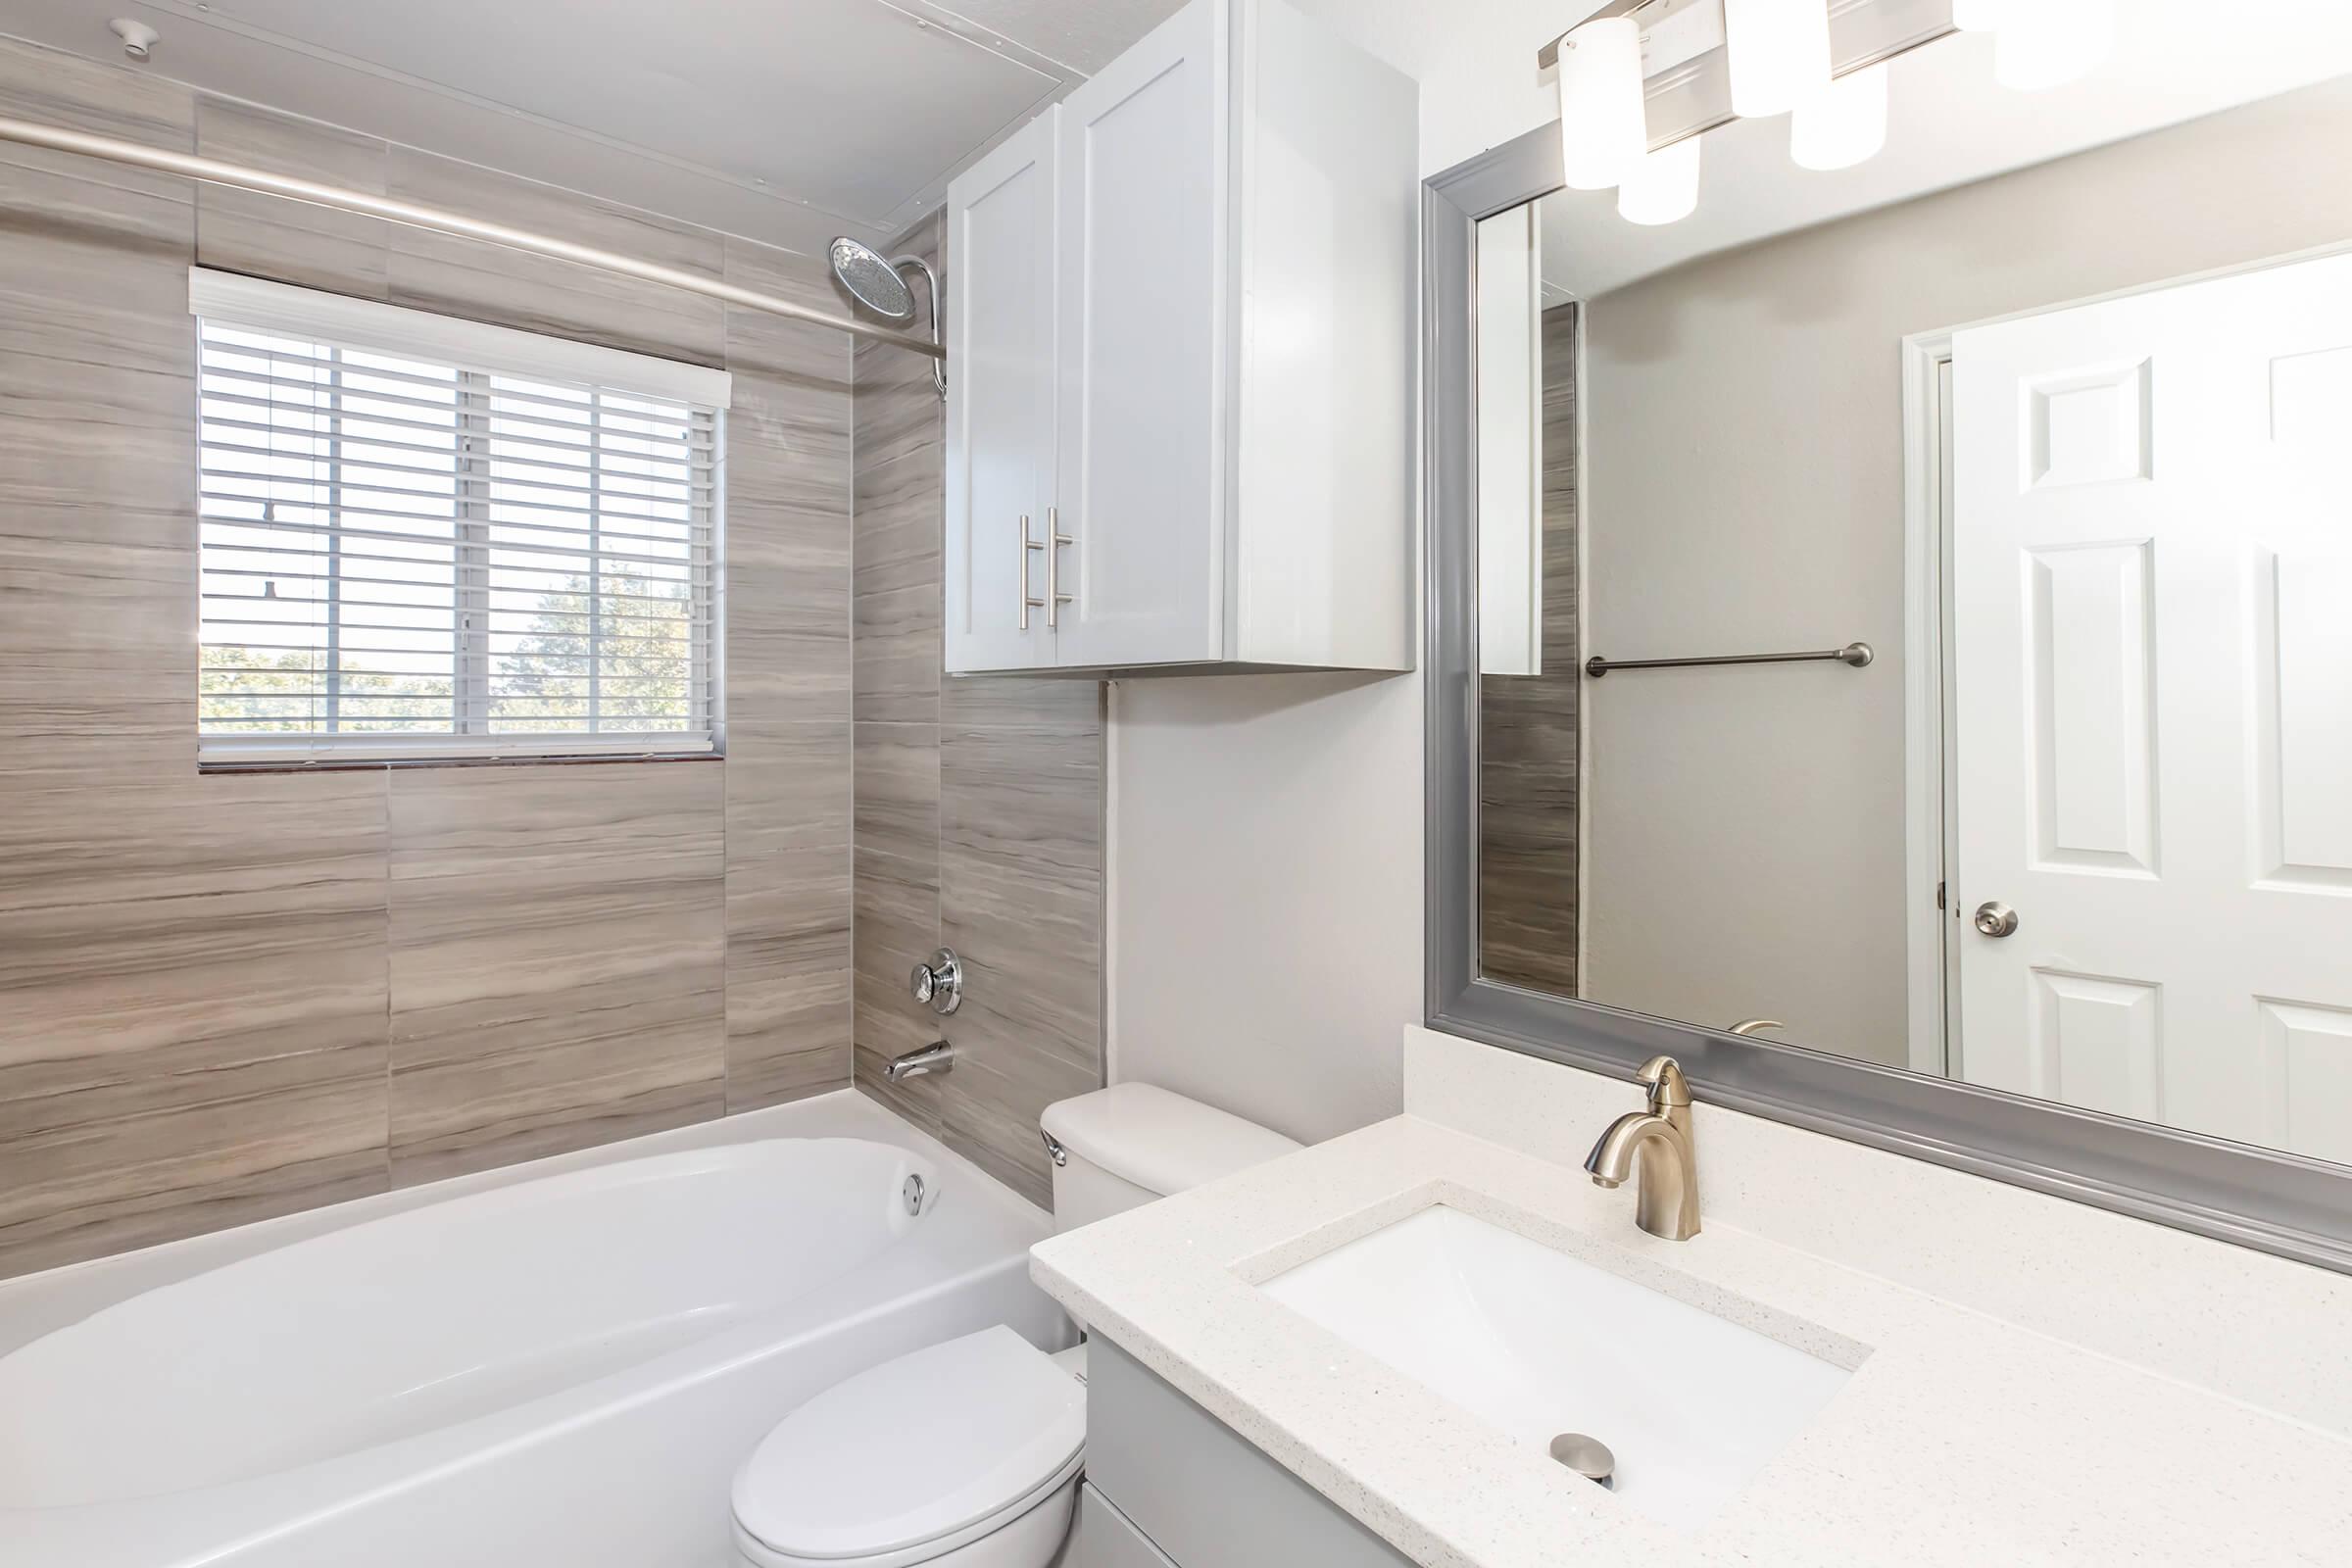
<point x="409" y="763"/>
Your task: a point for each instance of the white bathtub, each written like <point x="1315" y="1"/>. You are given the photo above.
<point x="562" y="1370"/>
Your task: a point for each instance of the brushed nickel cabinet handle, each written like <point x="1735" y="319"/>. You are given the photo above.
<point x="1056" y="539"/>
<point x="1028" y="602"/>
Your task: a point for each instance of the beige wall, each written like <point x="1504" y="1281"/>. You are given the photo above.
<point x="225" y="997"/>
<point x="1263" y="940"/>
<point x="1745" y="473"/>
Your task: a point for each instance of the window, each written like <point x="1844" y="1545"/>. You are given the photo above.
<point x="427" y="538"/>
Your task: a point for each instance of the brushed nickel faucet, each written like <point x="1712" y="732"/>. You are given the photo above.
<point x="1659" y="1139"/>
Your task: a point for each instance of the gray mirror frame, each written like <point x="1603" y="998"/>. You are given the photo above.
<point x="2281" y="1203"/>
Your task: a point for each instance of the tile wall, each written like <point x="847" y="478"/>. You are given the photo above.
<point x="979" y="818"/>
<point x="1528" y="733"/>
<point x="228" y="996"/>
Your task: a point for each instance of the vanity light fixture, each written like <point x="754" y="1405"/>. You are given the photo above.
<point x="1842" y="125"/>
<point x="1780" y="53"/>
<point x="1604" y="124"/>
<point x="1663" y="188"/>
<point x="1779" y="57"/>
<point x="2052" y="42"/>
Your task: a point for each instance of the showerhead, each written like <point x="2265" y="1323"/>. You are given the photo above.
<point x="873" y="280"/>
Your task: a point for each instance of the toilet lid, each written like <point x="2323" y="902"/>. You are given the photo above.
<point x="939" y="1442"/>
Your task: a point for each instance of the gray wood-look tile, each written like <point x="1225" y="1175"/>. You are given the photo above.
<point x="97" y="636"/>
<point x="789" y="500"/>
<point x="91" y="274"/>
<point x="192" y="1006"/>
<point x="1021" y="878"/>
<point x="788" y="902"/>
<point x="898" y="406"/>
<point x="62" y="90"/>
<point x="557" y="958"/>
<point x="230" y="997"/>
<point x="97" y="581"/>
<point x="896" y="607"/>
<point x="788" y="792"/>
<point x="1001" y="1091"/>
<point x="979" y="818"/>
<point x="788" y="555"/>
<point x="1527" y="733"/>
<point x="292" y="242"/>
<point x="1021" y="903"/>
<point x="486" y="282"/>
<point x="898" y="505"/>
<point x="896" y="901"/>
<point x="225" y="1147"/>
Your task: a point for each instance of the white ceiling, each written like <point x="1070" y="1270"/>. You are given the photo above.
<point x="786" y="121"/>
<point x="1951" y="123"/>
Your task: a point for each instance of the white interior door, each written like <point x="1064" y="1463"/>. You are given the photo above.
<point x="2152" y="561"/>
<point x="1143" y="352"/>
<point x="1002" y="387"/>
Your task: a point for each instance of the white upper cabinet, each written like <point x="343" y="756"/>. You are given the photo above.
<point x="1000" y="408"/>
<point x="1181" y="363"/>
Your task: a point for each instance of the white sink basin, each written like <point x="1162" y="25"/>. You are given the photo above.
<point x="1538" y="1344"/>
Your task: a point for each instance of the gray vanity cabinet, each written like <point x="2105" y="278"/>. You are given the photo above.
<point x="1104" y="1537"/>
<point x="1170" y="1485"/>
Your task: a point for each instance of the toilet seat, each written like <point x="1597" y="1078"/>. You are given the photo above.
<point x="911" y="1459"/>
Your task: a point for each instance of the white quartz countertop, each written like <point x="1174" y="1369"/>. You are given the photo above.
<point x="1960" y="1439"/>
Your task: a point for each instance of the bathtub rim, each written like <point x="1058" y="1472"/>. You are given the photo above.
<point x="35" y="1304"/>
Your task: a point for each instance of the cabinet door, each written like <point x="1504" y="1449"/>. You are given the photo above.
<point x="1104" y="1537"/>
<point x="1142" y="350"/>
<point x="1001" y="405"/>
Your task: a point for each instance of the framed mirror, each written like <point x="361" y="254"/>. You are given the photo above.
<point x="1891" y="627"/>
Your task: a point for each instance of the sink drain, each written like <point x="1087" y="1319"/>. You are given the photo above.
<point x="1588" y="1457"/>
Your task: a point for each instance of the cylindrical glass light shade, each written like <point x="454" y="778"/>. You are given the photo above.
<point x="2052" y="42"/>
<point x="1604" y="121"/>
<point x="1842" y="125"/>
<point x="1663" y="187"/>
<point x="1980" y="16"/>
<point x="1780" y="53"/>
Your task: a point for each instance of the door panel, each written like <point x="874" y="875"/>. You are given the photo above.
<point x="2153" y="713"/>
<point x="2097" y="1044"/>
<point x="2310" y="1050"/>
<point x="1001" y="403"/>
<point x="1143" y="316"/>
<point x="2094" y="751"/>
<point x="2303" y="693"/>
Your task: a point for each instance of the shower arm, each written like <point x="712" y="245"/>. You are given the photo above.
<point x="938" y="366"/>
<point x="212" y="171"/>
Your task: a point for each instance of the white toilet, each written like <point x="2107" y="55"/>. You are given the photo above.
<point x="967" y="1455"/>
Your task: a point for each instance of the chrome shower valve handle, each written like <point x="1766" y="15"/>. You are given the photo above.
<point x="939" y="984"/>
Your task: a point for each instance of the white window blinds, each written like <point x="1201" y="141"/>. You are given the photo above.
<point x="421" y="537"/>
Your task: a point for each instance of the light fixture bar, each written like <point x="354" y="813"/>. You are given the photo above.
<point x="1549" y="55"/>
<point x="1696" y="97"/>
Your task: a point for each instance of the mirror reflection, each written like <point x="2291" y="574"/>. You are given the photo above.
<point x="2026" y="440"/>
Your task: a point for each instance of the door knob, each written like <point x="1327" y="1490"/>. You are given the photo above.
<point x="939" y="983"/>
<point x="1996" y="919"/>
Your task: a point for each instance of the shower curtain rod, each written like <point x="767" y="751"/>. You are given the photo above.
<point x="214" y="172"/>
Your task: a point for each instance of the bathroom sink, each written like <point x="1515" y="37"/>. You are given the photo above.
<point x="1541" y="1345"/>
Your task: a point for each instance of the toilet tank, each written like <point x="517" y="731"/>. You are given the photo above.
<point x="1123" y="1147"/>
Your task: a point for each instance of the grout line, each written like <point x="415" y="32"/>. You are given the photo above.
<point x="387" y="979"/>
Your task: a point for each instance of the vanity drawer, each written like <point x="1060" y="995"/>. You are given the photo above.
<point x="1103" y="1537"/>
<point x="1202" y="1493"/>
